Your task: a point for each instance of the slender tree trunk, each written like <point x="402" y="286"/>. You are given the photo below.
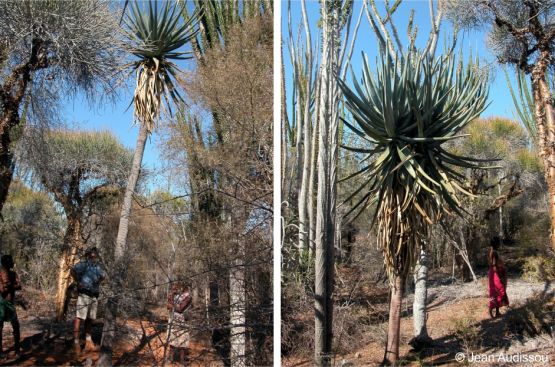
<point x="500" y="214"/>
<point x="72" y="243"/>
<point x="171" y="266"/>
<point x="421" y="336"/>
<point x="305" y="177"/>
<point x="119" y="271"/>
<point x="313" y="182"/>
<point x="307" y="140"/>
<point x="237" y="316"/>
<point x="394" y="325"/>
<point x="323" y="286"/>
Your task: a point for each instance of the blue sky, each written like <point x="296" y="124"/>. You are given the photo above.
<point x="470" y="41"/>
<point x="118" y="119"/>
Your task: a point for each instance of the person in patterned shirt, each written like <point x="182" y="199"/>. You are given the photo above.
<point x="179" y="302"/>
<point x="88" y="274"/>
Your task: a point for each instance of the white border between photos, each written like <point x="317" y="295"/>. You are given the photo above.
<point x="277" y="187"/>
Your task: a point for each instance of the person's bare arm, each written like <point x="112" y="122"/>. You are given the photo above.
<point x="494" y="262"/>
<point x="184" y="303"/>
<point x="17" y="283"/>
<point x="2" y="283"/>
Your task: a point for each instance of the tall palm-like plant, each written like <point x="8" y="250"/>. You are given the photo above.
<point x="406" y="112"/>
<point x="155" y="37"/>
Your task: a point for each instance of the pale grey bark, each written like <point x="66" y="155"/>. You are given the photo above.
<point x="420" y="299"/>
<point x="237" y="314"/>
<point x="334" y="17"/>
<point x="323" y="282"/>
<point x="312" y="178"/>
<point x="306" y="156"/>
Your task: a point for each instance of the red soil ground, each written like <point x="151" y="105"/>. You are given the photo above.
<point x="141" y="343"/>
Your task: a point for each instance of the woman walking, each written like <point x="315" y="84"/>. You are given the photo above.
<point x="497" y="279"/>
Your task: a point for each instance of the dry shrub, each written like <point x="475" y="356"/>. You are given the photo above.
<point x="539" y="268"/>
<point x="354" y="329"/>
<point x="467" y="331"/>
<point x="297" y="327"/>
<point x="532" y="317"/>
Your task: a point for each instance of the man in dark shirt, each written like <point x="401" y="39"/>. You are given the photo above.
<point x="9" y="283"/>
<point x="88" y="274"/>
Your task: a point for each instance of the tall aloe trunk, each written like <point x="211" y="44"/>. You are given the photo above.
<point x="116" y="281"/>
<point x="72" y="243"/>
<point x="394" y="325"/>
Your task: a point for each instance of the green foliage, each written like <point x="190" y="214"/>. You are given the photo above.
<point x="494" y="138"/>
<point x="529" y="161"/>
<point x="539" y="268"/>
<point x="58" y="158"/>
<point x="524" y="101"/>
<point x="32" y="232"/>
<point x="218" y="18"/>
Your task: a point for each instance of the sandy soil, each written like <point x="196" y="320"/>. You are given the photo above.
<point x="447" y="304"/>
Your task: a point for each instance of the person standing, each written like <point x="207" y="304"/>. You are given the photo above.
<point x="9" y="284"/>
<point x="88" y="274"/>
<point x="497" y="279"/>
<point x="179" y="302"/>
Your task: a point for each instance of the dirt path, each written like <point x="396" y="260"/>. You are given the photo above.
<point x="140" y="344"/>
<point x="459" y="322"/>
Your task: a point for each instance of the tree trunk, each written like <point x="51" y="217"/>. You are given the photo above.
<point x="394" y="325"/>
<point x="237" y="316"/>
<point x="501" y="233"/>
<point x="119" y="271"/>
<point x="6" y="166"/>
<point x="72" y="243"/>
<point x="545" y="124"/>
<point x="305" y="177"/>
<point x="171" y="279"/>
<point x="312" y="183"/>
<point x="304" y="227"/>
<point x="13" y="90"/>
<point x="421" y="337"/>
<point x="326" y="193"/>
<point x="323" y="286"/>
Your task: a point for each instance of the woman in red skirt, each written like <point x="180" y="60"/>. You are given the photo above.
<point x="497" y="279"/>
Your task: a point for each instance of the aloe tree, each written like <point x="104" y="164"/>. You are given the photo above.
<point x="155" y="37"/>
<point x="405" y="113"/>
